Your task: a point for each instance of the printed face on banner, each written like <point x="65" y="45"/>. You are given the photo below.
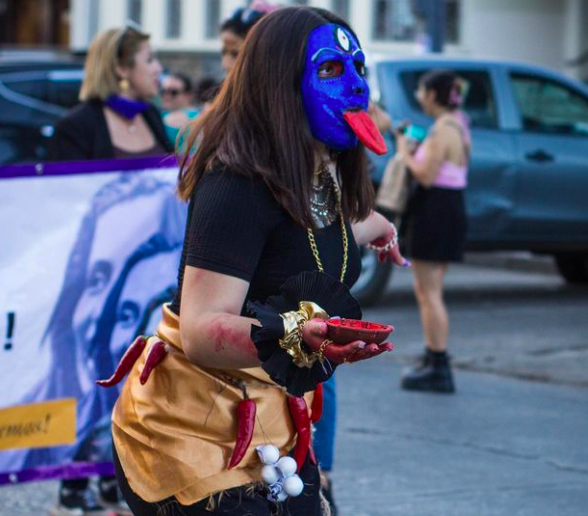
<point x="121" y="287"/>
<point x="333" y="83"/>
<point x="103" y="270"/>
<point x="149" y="285"/>
<point x="119" y="246"/>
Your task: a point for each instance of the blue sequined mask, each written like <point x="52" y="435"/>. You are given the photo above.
<point x="344" y="88"/>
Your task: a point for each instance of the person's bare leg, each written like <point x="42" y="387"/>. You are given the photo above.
<point x="428" y="285"/>
<point x="433" y="373"/>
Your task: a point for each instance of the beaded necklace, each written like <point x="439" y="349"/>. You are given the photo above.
<point x="323" y="214"/>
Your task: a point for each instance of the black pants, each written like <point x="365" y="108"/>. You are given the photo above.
<point x="234" y="502"/>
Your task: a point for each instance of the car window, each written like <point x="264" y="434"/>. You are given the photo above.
<point x="63" y="92"/>
<point x="58" y="88"/>
<point x="548" y="106"/>
<point x="479" y="101"/>
<point x="29" y="86"/>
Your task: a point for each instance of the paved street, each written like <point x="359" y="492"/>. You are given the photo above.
<point x="512" y="441"/>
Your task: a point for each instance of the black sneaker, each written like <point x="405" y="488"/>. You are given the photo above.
<point x="78" y="502"/>
<point x="432" y="374"/>
<point x="110" y="496"/>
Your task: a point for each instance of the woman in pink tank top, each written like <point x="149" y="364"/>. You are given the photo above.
<point x="434" y="227"/>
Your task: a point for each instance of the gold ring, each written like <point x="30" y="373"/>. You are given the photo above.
<point x="345" y="361"/>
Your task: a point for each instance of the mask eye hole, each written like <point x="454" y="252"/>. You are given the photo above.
<point x="360" y="68"/>
<point x="330" y="69"/>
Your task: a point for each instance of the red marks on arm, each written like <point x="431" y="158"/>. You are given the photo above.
<point x="213" y="332"/>
<point x="226" y="337"/>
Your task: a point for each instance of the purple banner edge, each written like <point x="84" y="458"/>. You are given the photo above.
<point x="73" y="470"/>
<point x="63" y="168"/>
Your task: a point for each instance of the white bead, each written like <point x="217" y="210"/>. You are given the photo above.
<point x="282" y="497"/>
<point x="268" y="454"/>
<point x="293" y="485"/>
<point x="269" y="474"/>
<point x="287" y="465"/>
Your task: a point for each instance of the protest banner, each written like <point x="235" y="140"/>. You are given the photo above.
<point x="89" y="252"/>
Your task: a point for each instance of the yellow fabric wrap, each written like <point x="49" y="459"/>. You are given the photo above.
<point x="175" y="434"/>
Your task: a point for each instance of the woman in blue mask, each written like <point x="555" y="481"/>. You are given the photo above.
<point x="214" y="417"/>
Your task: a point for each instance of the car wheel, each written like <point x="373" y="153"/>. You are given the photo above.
<point x="373" y="280"/>
<point x="573" y="267"/>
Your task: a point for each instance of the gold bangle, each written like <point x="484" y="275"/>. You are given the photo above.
<point x="292" y="341"/>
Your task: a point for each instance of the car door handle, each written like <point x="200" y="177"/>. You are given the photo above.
<point x="539" y="155"/>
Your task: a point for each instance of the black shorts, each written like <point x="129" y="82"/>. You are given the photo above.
<point x="434" y="227"/>
<point x="239" y="501"/>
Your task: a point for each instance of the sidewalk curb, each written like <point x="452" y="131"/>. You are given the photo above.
<point x="517" y="261"/>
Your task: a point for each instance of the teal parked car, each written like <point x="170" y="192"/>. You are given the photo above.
<point x="528" y="179"/>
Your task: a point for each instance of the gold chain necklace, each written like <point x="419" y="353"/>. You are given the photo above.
<point x="314" y="247"/>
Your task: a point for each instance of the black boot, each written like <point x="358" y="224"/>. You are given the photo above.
<point x="76" y="498"/>
<point x="110" y="496"/>
<point x="432" y="374"/>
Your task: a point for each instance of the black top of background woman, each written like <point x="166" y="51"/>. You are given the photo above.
<point x="83" y="133"/>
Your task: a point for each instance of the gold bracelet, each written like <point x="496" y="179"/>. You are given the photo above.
<point x="294" y="322"/>
<point x="321" y="352"/>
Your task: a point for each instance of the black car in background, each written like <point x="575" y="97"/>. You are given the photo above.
<point x="36" y="89"/>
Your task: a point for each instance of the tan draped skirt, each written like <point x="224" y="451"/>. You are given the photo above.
<point x="175" y="434"/>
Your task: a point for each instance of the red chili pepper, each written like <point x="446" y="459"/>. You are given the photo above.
<point x="156" y="355"/>
<point x="126" y="362"/>
<point x="317" y="404"/>
<point x="299" y="411"/>
<point x="246" y="411"/>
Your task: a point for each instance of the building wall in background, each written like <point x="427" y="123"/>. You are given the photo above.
<point x="526" y="30"/>
<point x="544" y="32"/>
<point x="35" y="23"/>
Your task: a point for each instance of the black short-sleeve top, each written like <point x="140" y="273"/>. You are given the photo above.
<point x="236" y="227"/>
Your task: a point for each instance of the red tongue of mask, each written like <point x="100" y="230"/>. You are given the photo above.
<point x="367" y="132"/>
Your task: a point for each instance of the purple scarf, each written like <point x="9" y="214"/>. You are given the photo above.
<point x="126" y="108"/>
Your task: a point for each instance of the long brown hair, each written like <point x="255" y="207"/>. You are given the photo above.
<point x="257" y="125"/>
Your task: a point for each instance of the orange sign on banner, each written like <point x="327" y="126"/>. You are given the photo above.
<point x="51" y="423"/>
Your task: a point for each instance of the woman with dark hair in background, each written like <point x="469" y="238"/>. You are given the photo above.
<point x="279" y="190"/>
<point x="435" y="223"/>
<point x="115" y="118"/>
<point x="234" y="30"/>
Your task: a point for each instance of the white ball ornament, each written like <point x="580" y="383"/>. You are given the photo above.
<point x="268" y="454"/>
<point x="281" y="497"/>
<point x="287" y="465"/>
<point x="270" y="474"/>
<point x="293" y="485"/>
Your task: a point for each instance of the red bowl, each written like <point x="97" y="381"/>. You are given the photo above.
<point x="343" y="331"/>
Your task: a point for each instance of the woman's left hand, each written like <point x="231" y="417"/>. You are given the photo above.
<point x="388" y="248"/>
<point x="315" y="335"/>
<point x="401" y="145"/>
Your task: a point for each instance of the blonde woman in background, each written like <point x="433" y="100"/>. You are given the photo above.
<point x="115" y="118"/>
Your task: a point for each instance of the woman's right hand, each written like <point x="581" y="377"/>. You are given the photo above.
<point x="314" y="334"/>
